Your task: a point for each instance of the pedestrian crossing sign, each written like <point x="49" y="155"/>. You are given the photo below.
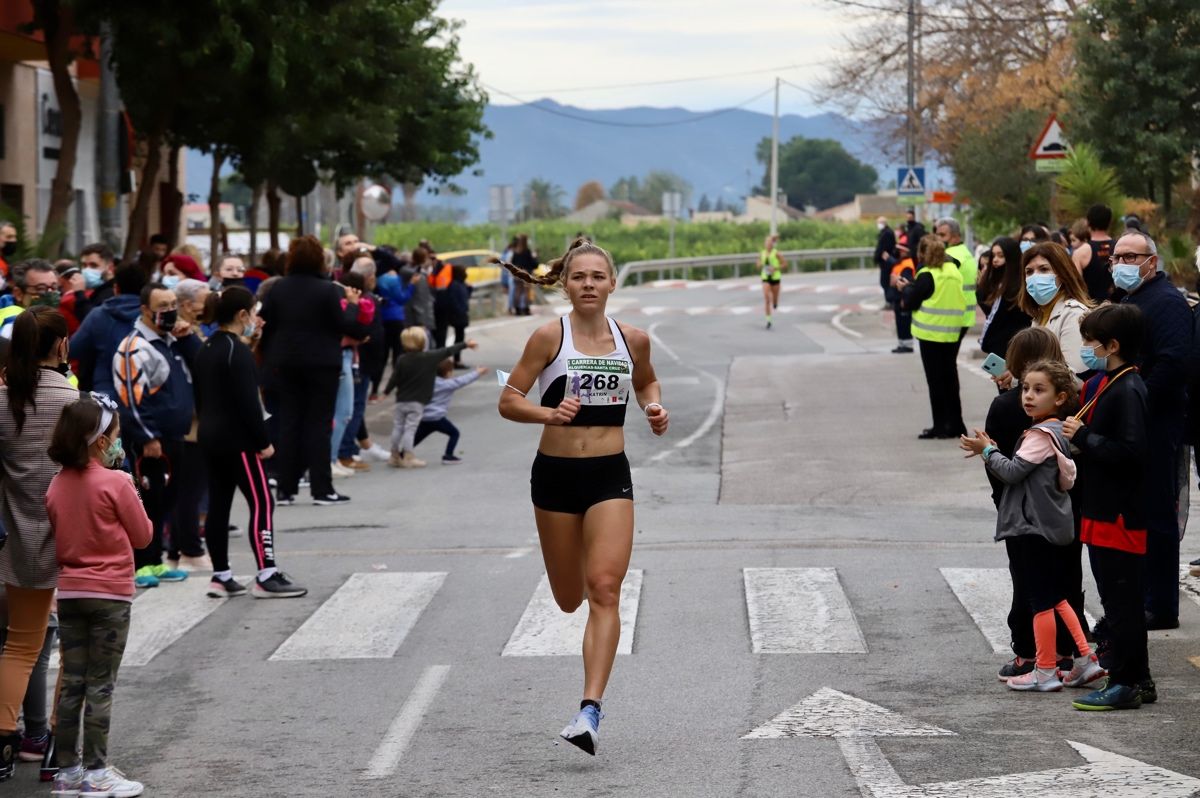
<point x="910" y="181"/>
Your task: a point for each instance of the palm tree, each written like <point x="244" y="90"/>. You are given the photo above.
<point x="542" y="200"/>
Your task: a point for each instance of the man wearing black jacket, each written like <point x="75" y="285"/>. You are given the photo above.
<point x="303" y="325"/>
<point x="1163" y="366"/>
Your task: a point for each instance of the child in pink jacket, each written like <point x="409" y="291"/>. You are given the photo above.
<point x="97" y="519"/>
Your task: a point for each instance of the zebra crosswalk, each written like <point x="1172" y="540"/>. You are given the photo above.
<point x="370" y="615"/>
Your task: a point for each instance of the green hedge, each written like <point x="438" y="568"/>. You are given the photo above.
<point x="644" y="242"/>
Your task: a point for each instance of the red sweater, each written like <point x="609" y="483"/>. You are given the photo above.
<point x="98" y="519"/>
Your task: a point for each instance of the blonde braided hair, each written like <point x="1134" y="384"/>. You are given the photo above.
<point x="555" y="277"/>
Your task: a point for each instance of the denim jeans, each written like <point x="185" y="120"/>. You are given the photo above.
<point x="345" y="402"/>
<point x="349" y="445"/>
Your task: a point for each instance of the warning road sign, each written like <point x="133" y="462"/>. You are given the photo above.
<point x="910" y="181"/>
<point x="1052" y="144"/>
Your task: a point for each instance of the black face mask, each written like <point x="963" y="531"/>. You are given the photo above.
<point x="9" y="249"/>
<point x="165" y="319"/>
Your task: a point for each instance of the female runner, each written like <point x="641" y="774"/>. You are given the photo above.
<point x="772" y="274"/>
<point x="585" y="364"/>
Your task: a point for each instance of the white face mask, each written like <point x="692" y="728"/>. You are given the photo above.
<point x="881" y="225"/>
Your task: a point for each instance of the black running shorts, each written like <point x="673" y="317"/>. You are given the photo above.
<point x="573" y="484"/>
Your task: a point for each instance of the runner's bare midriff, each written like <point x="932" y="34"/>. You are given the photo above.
<point x="561" y="441"/>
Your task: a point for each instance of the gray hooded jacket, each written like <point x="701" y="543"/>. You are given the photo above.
<point x="1036" y="481"/>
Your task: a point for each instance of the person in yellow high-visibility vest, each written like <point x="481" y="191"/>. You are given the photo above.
<point x="771" y="266"/>
<point x="950" y="234"/>
<point x="936" y="300"/>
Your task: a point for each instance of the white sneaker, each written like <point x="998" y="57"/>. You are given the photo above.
<point x="1084" y="671"/>
<point x="1040" y="680"/>
<point x="109" y="782"/>
<point x="339" y="471"/>
<point x="376" y="454"/>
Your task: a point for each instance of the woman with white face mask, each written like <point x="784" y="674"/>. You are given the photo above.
<point x="1056" y="298"/>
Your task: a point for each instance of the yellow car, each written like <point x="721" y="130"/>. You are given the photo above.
<point x="476" y="261"/>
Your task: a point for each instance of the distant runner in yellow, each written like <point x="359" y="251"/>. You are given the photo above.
<point x="772" y="273"/>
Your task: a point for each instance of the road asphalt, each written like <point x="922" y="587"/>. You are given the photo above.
<point x="791" y="537"/>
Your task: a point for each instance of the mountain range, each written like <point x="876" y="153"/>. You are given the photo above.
<point x="569" y="146"/>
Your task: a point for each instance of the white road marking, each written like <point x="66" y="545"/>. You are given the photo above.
<point x="830" y="340"/>
<point x="714" y="412"/>
<point x="740" y="310"/>
<point x="1190" y="585"/>
<point x="986" y="595"/>
<point x="367" y="618"/>
<point x="546" y="631"/>
<point x="400" y="733"/>
<point x="863" y="289"/>
<point x="855" y="724"/>
<point x="825" y="289"/>
<point x="838" y="325"/>
<point x="831" y="713"/>
<point x="828" y="308"/>
<point x="871" y="305"/>
<point x="696" y="311"/>
<point x="516" y="554"/>
<point x="800" y="611"/>
<point x="653" y="310"/>
<point x="162" y="615"/>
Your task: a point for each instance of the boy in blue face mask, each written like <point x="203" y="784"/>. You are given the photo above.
<point x="1110" y="434"/>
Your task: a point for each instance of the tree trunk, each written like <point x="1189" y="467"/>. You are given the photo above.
<point x="299" y="216"/>
<point x="141" y="206"/>
<point x="273" y="213"/>
<point x="214" y="210"/>
<point x="255" y="199"/>
<point x="56" y="24"/>
<point x="172" y="203"/>
<point x="409" y="212"/>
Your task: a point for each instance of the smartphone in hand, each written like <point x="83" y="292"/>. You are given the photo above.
<point x="994" y="364"/>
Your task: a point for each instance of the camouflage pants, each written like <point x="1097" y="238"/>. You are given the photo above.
<point x="93" y="634"/>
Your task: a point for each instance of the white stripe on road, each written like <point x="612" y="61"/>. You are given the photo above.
<point x="652" y="310"/>
<point x="800" y="611"/>
<point x="863" y="289"/>
<point x="546" y="631"/>
<point x="714" y="412"/>
<point x="829" y="339"/>
<point x="986" y="595"/>
<point x="367" y="618"/>
<point x="739" y="310"/>
<point x="825" y="289"/>
<point x="163" y="614"/>
<point x="698" y="310"/>
<point x="400" y="733"/>
<point x="840" y="326"/>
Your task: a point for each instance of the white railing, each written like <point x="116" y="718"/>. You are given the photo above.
<point x="719" y="266"/>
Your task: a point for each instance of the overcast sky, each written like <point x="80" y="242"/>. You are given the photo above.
<point x="550" y="48"/>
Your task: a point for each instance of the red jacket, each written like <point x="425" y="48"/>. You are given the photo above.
<point x="98" y="520"/>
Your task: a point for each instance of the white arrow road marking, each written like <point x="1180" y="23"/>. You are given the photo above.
<point x="367" y="618"/>
<point x="986" y="595"/>
<point x="800" y="611"/>
<point x="856" y="724"/>
<point x="400" y="733"/>
<point x="546" y="631"/>
<point x="1189" y="584"/>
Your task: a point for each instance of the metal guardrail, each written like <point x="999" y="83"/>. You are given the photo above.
<point x="722" y="266"/>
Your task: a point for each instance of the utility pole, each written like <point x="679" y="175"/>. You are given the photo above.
<point x="109" y="173"/>
<point x="775" y="161"/>
<point x="909" y="126"/>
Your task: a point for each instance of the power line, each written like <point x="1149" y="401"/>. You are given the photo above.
<point x="698" y="78"/>
<point x="948" y="17"/>
<point x="609" y="123"/>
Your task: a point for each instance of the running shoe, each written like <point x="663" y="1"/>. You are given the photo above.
<point x="33" y="747"/>
<point x="225" y="588"/>
<point x="902" y="349"/>
<point x="768" y="325"/>
<point x="9" y="744"/>
<point x="144" y="577"/>
<point x="354" y="463"/>
<point x="1084" y="671"/>
<point x="330" y="498"/>
<point x="375" y="453"/>
<point x="67" y="781"/>
<point x="584" y="731"/>
<point x="109" y="782"/>
<point x="1040" y="680"/>
<point x="284" y="499"/>
<point x="1148" y="691"/>
<point x="166" y="574"/>
<point x="277" y="585"/>
<point x="338" y="472"/>
<point x="1110" y="697"/>
<point x="1017" y="666"/>
<point x="451" y="460"/>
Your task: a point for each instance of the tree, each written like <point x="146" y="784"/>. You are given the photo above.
<point x="816" y="172"/>
<point x="992" y="166"/>
<point x="704" y="206"/>
<point x="1136" y="97"/>
<point x="647" y="192"/>
<point x="626" y="188"/>
<point x="541" y="199"/>
<point x="58" y="26"/>
<point x="1087" y="182"/>
<point x="588" y="193"/>
<point x="976" y="59"/>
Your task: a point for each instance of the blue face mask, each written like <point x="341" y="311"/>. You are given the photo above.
<point x="1042" y="287"/>
<point x="170" y="281"/>
<point x="1127" y="276"/>
<point x="1026" y="246"/>
<point x="93" y="278"/>
<point x="1092" y="360"/>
